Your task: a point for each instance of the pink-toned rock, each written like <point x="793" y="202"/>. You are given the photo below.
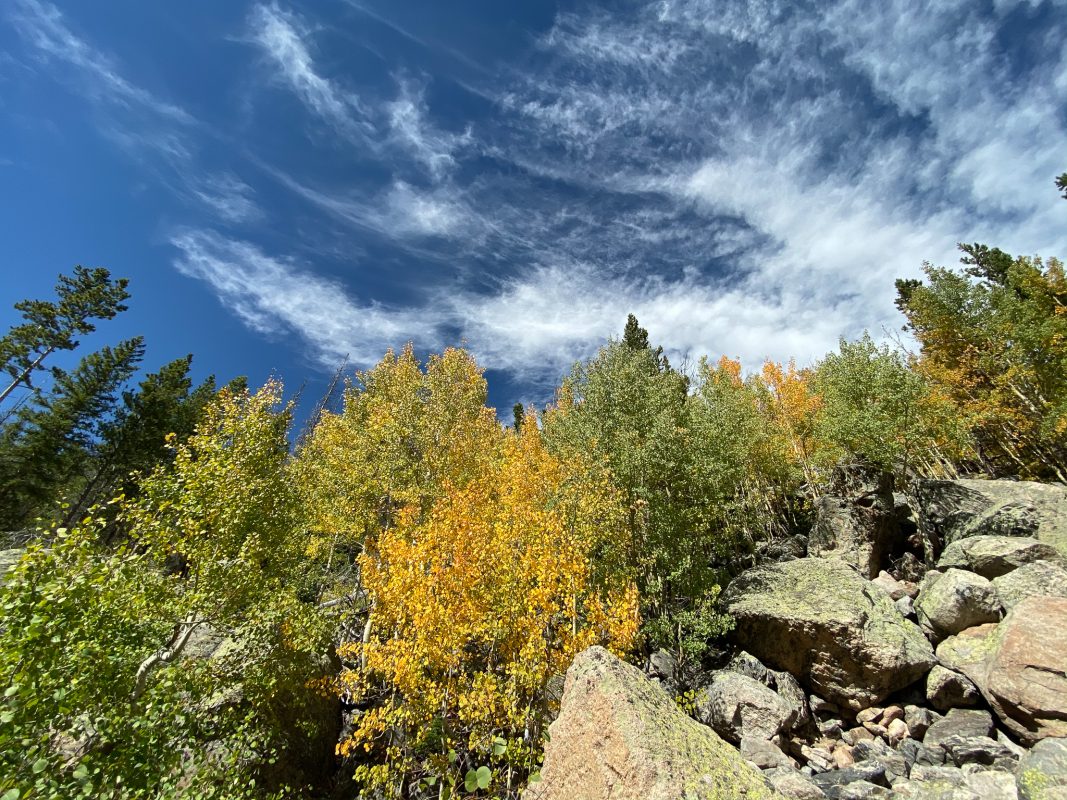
<point x="620" y="736"/>
<point x="898" y="731"/>
<point x="891" y="713"/>
<point x="843" y="757"/>
<point x="1026" y="680"/>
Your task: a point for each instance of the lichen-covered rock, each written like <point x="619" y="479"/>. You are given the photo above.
<point x="620" y="736"/>
<point x="952" y="510"/>
<point x="793" y="785"/>
<point x="858" y="532"/>
<point x="993" y="556"/>
<point x="1040" y="579"/>
<point x="835" y="631"/>
<point x="947" y="689"/>
<point x="736" y="707"/>
<point x="8" y="559"/>
<point x="970" y="651"/>
<point x="959" y="723"/>
<point x="1042" y="773"/>
<point x="783" y="684"/>
<point x="955" y="601"/>
<point x="1026" y="682"/>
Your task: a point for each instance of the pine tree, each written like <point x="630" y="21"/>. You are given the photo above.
<point x="50" y="439"/>
<point x="134" y="440"/>
<point x="50" y="326"/>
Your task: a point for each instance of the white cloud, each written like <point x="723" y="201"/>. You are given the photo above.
<point x="283" y="37"/>
<point x="277" y="296"/>
<point x="229" y="196"/>
<point x="746" y="177"/>
<point x="412" y="132"/>
<point x="44" y="27"/>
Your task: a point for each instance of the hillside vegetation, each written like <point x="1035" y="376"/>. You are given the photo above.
<point x="201" y="609"/>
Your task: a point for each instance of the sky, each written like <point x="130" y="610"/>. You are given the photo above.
<point x="292" y="184"/>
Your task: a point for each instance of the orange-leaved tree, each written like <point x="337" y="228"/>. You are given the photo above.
<point x="479" y="604"/>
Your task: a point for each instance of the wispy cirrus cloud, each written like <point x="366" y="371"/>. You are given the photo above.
<point x="161" y="134"/>
<point x="45" y="28"/>
<point x="284" y="37"/>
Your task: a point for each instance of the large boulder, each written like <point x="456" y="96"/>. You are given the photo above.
<point x="1042" y="773"/>
<point x="858" y="531"/>
<point x="738" y="707"/>
<point x="620" y="736"/>
<point x="1026" y="683"/>
<point x="838" y="633"/>
<point x="1040" y="579"/>
<point x="954" y="510"/>
<point x="1020" y="666"/>
<point x="947" y="689"/>
<point x="955" y="601"/>
<point x="993" y="556"/>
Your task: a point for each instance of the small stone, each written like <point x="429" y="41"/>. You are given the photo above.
<point x="891" y="713"/>
<point x="843" y="757"/>
<point x="906" y="607"/>
<point x="875" y="728"/>
<point x="859" y="734"/>
<point x="898" y="731"/>
<point x="868" y="715"/>
<point x="919" y="720"/>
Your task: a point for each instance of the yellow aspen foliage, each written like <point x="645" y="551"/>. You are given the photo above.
<point x="477" y="606"/>
<point x="793" y="407"/>
<point x="404" y="432"/>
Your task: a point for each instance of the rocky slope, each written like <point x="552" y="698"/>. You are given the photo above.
<point x="911" y="647"/>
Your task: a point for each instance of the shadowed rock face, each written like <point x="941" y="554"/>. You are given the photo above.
<point x="953" y="510"/>
<point x="620" y="736"/>
<point x="835" y="631"/>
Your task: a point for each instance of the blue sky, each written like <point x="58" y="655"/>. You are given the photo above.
<point x="289" y="183"/>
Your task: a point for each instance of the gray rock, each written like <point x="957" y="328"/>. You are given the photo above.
<point x="862" y="790"/>
<point x="915" y="752"/>
<point x="834" y="631"/>
<point x="906" y="606"/>
<point x="977" y="750"/>
<point x="868" y="771"/>
<point x="948" y="776"/>
<point x="858" y="531"/>
<point x="959" y="722"/>
<point x="1042" y="773"/>
<point x="992" y="784"/>
<point x="919" y="720"/>
<point x="952" y="510"/>
<point x="1040" y="579"/>
<point x="947" y="689"/>
<point x="783" y="684"/>
<point x="619" y="735"/>
<point x="993" y="556"/>
<point x="793" y="785"/>
<point x="955" y="601"/>
<point x="737" y="707"/>
<point x="763" y="754"/>
<point x="1025" y="681"/>
<point x="8" y="559"/>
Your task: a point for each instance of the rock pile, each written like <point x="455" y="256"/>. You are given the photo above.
<point x="912" y="647"/>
